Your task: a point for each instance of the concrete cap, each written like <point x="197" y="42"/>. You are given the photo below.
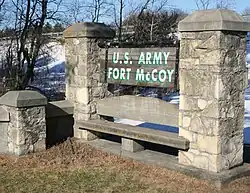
<point x="88" y="29"/>
<point x="214" y="20"/>
<point x="23" y="98"/>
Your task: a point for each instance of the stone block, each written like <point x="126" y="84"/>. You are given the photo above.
<point x="131" y="145"/>
<point x="82" y="95"/>
<point x="78" y="116"/>
<point x="4" y="138"/>
<point x="70" y="92"/>
<point x="209" y="144"/>
<point x="214" y="20"/>
<point x="198" y="83"/>
<point x="23" y="98"/>
<point x="4" y="114"/>
<point x="188" y="103"/>
<point x="186" y="122"/>
<point x="189" y="135"/>
<point x="190" y="63"/>
<point x="90" y="30"/>
<point x="87" y="135"/>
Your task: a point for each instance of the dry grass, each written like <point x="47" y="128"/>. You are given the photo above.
<point x="74" y="167"/>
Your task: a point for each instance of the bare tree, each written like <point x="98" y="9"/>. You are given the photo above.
<point x="246" y="11"/>
<point x="92" y="10"/>
<point x="225" y="4"/>
<point x="75" y="10"/>
<point x="119" y="13"/>
<point x="1" y="4"/>
<point x="96" y="10"/>
<point x="219" y="4"/>
<point x="203" y="4"/>
<point x="26" y="41"/>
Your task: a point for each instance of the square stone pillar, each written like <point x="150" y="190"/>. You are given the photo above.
<point x="213" y="77"/>
<point x="83" y="71"/>
<point x="23" y="124"/>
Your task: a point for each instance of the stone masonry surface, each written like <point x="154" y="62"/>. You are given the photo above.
<point x="212" y="82"/>
<point x="83" y="85"/>
<point x="27" y="130"/>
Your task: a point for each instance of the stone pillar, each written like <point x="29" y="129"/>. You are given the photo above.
<point x="212" y="81"/>
<point x="23" y="123"/>
<point x="83" y="71"/>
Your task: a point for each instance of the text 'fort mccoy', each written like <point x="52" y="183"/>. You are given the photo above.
<point x="147" y="67"/>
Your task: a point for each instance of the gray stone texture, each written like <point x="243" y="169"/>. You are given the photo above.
<point x="88" y="29"/>
<point x="4" y="115"/>
<point x="212" y="82"/>
<point x="83" y="72"/>
<point x="214" y="19"/>
<point x="23" y="98"/>
<point x="136" y="133"/>
<point x="25" y="131"/>
<point x="4" y="137"/>
<point x="131" y="145"/>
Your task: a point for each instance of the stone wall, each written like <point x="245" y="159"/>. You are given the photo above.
<point x="84" y="86"/>
<point x="25" y="130"/>
<point x="28" y="124"/>
<point x="213" y="77"/>
<point x="59" y="122"/>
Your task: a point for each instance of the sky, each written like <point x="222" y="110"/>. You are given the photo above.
<point x="189" y="5"/>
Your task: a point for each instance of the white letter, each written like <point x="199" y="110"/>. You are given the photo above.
<point x="128" y="73"/>
<point x="170" y="75"/>
<point x="126" y="58"/>
<point x="157" y="58"/>
<point x="148" y="58"/>
<point x="166" y="57"/>
<point x="141" y="59"/>
<point x="115" y="59"/>
<point x="153" y="77"/>
<point x="109" y="72"/>
<point x="139" y="75"/>
<point x="122" y="74"/>
<point x="115" y="73"/>
<point x="164" y="75"/>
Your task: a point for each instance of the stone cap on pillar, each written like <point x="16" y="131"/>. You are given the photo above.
<point x="214" y="20"/>
<point x="23" y="98"/>
<point x="89" y="29"/>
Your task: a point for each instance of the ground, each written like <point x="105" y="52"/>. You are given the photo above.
<point x="74" y="167"/>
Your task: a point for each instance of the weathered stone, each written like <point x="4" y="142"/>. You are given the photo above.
<point x="25" y="98"/>
<point x="214" y="20"/>
<point x="186" y="121"/>
<point x="188" y="103"/>
<point x="82" y="95"/>
<point x="202" y="104"/>
<point x="212" y="82"/>
<point x="87" y="135"/>
<point x="4" y="138"/>
<point x="26" y="131"/>
<point x="87" y="29"/>
<point x="78" y="116"/>
<point x="131" y="145"/>
<point x="4" y="114"/>
<point x="83" y="83"/>
<point x="189" y="135"/>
